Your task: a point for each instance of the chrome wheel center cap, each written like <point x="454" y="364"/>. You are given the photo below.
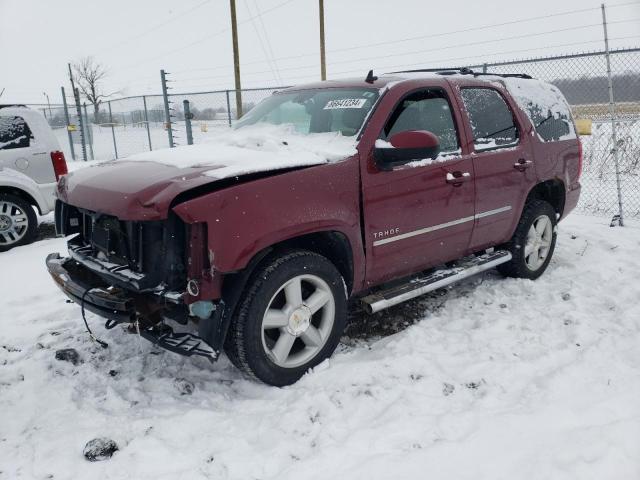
<point x="299" y="321"/>
<point x="5" y="222"/>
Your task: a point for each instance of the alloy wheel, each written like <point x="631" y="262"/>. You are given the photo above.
<point x="14" y="223"/>
<point x="298" y="321"/>
<point x="538" y="242"/>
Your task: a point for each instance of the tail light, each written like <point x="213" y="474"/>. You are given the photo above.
<point x="59" y="164"/>
<point x="580" y="158"/>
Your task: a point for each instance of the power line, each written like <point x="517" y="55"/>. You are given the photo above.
<point x="266" y="36"/>
<point x="262" y="45"/>
<point x="448" y="47"/>
<point x="273" y="58"/>
<point x="437" y="62"/>
<point x="474" y="29"/>
<point x="203" y="39"/>
<point x="435" y="35"/>
<point x="154" y="28"/>
<point x="504" y="52"/>
<point x="186" y="80"/>
<point x="467" y="30"/>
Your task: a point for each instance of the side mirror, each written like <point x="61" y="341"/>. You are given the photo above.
<point x="405" y="147"/>
<point x="583" y="126"/>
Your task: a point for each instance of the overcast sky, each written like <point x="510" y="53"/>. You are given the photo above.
<point x="279" y="39"/>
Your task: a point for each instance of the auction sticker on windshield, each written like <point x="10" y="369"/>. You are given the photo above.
<point x="345" y="103"/>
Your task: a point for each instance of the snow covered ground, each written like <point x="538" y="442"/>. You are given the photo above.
<point x="492" y="379"/>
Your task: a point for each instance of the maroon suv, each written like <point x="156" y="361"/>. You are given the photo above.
<point x="381" y="189"/>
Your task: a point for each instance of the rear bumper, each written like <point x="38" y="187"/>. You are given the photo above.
<point x="572" y="198"/>
<point x="48" y="197"/>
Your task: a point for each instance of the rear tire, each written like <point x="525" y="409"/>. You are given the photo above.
<point x="533" y="242"/>
<point x="18" y="222"/>
<point x="290" y="318"/>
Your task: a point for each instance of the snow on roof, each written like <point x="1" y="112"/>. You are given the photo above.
<point x="255" y="148"/>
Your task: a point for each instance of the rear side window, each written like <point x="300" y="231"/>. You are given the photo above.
<point x="425" y="110"/>
<point x="14" y="133"/>
<point x="545" y="106"/>
<point x="492" y="122"/>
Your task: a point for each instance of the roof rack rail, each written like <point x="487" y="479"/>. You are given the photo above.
<point x="505" y="75"/>
<point x="465" y="71"/>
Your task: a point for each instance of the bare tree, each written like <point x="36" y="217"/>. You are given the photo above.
<point x="89" y="75"/>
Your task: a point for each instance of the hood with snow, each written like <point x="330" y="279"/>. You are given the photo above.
<point x="143" y="186"/>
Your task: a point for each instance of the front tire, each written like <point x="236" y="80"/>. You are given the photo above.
<point x="533" y="242"/>
<point x="18" y="222"/>
<point x="290" y="318"/>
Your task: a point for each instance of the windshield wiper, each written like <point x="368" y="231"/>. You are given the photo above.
<point x="545" y="120"/>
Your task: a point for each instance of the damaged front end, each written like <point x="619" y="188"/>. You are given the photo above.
<point x="152" y="275"/>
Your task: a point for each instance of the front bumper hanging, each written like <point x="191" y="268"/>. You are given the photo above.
<point x="76" y="282"/>
<point x="117" y="305"/>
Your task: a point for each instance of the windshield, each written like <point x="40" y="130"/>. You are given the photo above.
<point x="315" y="111"/>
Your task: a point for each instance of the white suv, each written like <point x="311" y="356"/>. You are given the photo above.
<point x="31" y="162"/>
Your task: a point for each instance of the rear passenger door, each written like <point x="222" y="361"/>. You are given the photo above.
<point x="502" y="161"/>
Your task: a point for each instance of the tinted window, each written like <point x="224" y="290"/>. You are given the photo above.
<point x="491" y="119"/>
<point x="427" y="110"/>
<point x="14" y="133"/>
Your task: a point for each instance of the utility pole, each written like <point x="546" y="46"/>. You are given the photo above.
<point x="612" y="114"/>
<point x="76" y="96"/>
<point x="167" y="110"/>
<point x="73" y="85"/>
<point x="236" y="59"/>
<point x="48" y="103"/>
<point x="323" y="62"/>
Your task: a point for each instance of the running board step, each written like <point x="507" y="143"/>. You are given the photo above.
<point x="439" y="278"/>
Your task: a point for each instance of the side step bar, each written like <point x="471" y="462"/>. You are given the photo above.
<point x="439" y="278"/>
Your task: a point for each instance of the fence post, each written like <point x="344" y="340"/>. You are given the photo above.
<point x="89" y="133"/>
<point x="66" y="117"/>
<point x="612" y="114"/>
<point x="167" y="114"/>
<point x="146" y="120"/>
<point x="76" y="95"/>
<point x="228" y="108"/>
<point x="187" y="122"/>
<point x="113" y="132"/>
<point x="484" y="68"/>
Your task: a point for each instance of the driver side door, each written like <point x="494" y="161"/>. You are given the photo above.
<point x="415" y="217"/>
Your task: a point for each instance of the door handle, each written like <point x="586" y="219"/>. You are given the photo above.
<point x="457" y="178"/>
<point x="521" y="165"/>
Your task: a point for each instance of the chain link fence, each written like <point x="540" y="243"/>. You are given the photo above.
<point x="583" y="80"/>
<point x="132" y="125"/>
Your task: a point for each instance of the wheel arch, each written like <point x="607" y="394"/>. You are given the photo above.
<point x="331" y="244"/>
<point x="18" y="192"/>
<point x="552" y="191"/>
